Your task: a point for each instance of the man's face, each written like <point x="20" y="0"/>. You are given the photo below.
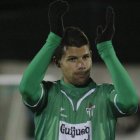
<point x="76" y="64"/>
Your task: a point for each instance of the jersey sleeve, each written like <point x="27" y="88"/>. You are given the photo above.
<point x="124" y="95"/>
<point x="116" y="110"/>
<point x="30" y="86"/>
<point x="43" y="100"/>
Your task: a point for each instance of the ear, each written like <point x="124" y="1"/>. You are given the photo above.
<point x="56" y="62"/>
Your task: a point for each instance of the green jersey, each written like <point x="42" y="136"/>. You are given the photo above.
<point x="65" y="112"/>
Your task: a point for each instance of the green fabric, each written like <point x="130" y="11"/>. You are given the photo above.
<point x="127" y="98"/>
<point x="66" y="110"/>
<point x="76" y="92"/>
<point x="61" y="113"/>
<point x="30" y="84"/>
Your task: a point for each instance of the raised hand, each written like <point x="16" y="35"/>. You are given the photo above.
<point x="57" y="10"/>
<point x="108" y="32"/>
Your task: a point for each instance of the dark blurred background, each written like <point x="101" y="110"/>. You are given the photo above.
<point x="24" y="26"/>
<point x="23" y="31"/>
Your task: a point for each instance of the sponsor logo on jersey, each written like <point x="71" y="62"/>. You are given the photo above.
<point x="90" y="110"/>
<point x="80" y="131"/>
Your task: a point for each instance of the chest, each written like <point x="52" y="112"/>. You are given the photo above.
<point x="91" y="106"/>
<point x="85" y="118"/>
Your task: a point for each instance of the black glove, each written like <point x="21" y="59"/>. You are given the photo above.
<point x="57" y="9"/>
<point x="108" y="32"/>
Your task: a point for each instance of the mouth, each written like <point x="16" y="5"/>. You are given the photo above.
<point x="81" y="78"/>
<point x="82" y="73"/>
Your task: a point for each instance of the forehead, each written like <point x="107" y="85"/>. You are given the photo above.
<point x="76" y="51"/>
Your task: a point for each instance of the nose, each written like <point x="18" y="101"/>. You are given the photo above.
<point x="81" y="64"/>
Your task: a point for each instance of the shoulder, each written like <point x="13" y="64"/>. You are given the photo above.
<point x="47" y="85"/>
<point x="105" y="87"/>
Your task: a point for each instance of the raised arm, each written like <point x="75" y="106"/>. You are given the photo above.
<point x="125" y="99"/>
<point x="30" y="85"/>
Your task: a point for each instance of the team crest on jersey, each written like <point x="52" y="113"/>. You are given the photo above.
<point x="90" y="110"/>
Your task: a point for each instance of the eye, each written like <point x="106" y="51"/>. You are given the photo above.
<point x="72" y="59"/>
<point x="86" y="56"/>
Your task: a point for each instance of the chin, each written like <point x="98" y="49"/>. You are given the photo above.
<point x="82" y="82"/>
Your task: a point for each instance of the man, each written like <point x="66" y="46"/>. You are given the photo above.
<point x="75" y="107"/>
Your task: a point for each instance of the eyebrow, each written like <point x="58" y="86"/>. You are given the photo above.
<point x="73" y="56"/>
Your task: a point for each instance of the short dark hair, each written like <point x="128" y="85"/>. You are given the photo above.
<point x="73" y="36"/>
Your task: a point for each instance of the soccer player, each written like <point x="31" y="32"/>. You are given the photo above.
<point x="75" y="107"/>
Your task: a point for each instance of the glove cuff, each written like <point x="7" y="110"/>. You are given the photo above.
<point x="52" y="37"/>
<point x="105" y="49"/>
<point x="57" y="27"/>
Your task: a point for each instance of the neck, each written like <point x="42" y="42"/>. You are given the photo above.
<point x="76" y="85"/>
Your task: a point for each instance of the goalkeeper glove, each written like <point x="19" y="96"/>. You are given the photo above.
<point x="57" y="9"/>
<point x="107" y="33"/>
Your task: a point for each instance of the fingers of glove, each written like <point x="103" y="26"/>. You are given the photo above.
<point x="109" y="27"/>
<point x="58" y="8"/>
<point x="110" y="15"/>
<point x="99" y="33"/>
